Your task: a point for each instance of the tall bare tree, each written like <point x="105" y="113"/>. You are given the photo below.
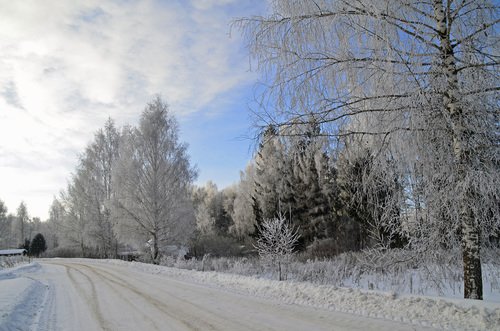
<point x="152" y="178"/>
<point x="421" y="77"/>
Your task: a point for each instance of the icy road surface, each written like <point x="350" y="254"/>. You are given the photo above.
<point x="86" y="295"/>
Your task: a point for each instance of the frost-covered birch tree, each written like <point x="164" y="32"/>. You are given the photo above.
<point x="423" y="75"/>
<point x="151" y="183"/>
<point x="276" y="242"/>
<point x="55" y="223"/>
<point x="73" y="229"/>
<point x="86" y="201"/>
<point x="96" y="167"/>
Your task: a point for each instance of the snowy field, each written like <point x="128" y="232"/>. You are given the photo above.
<point x="80" y="294"/>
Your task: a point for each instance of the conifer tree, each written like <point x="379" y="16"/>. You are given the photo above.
<point x="38" y="245"/>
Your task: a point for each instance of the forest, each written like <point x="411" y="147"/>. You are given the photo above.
<point x="377" y="141"/>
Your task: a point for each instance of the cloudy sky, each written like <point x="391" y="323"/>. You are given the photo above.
<point x="66" y="66"/>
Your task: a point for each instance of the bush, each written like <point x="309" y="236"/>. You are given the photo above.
<point x="276" y="243"/>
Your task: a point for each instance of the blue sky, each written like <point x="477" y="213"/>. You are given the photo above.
<point x="220" y="143"/>
<point x="66" y="66"/>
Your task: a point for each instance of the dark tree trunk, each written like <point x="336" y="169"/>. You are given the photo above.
<point x="154" y="250"/>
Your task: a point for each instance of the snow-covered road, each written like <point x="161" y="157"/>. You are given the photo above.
<point x="87" y="295"/>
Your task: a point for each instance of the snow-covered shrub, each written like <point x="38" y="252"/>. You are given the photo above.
<point x="276" y="243"/>
<point x="11" y="261"/>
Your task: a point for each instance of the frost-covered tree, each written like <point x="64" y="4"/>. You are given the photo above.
<point x="371" y="198"/>
<point x="95" y="170"/>
<point x="293" y="176"/>
<point x="228" y="197"/>
<point x="55" y="223"/>
<point x="205" y="222"/>
<point x="276" y="242"/>
<point x="243" y="212"/>
<point x="74" y="226"/>
<point x="309" y="189"/>
<point x="213" y="209"/>
<point x="5" y="226"/>
<point x="3" y="211"/>
<point x="269" y="169"/>
<point x="151" y="180"/>
<point x="423" y="74"/>
<point x="22" y="223"/>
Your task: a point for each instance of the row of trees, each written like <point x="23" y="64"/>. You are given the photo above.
<point x="131" y="187"/>
<point x="318" y="188"/>
<point x="16" y="229"/>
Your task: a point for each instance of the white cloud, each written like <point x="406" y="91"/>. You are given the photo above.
<point x="65" y="66"/>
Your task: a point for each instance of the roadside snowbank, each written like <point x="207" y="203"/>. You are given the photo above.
<point x="446" y="314"/>
<point x="437" y="275"/>
<point x="21" y="298"/>
<point x="12" y="261"/>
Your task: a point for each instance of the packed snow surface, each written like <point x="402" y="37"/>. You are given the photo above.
<point x="79" y="294"/>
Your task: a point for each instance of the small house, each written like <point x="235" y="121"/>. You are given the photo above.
<point x="13" y="252"/>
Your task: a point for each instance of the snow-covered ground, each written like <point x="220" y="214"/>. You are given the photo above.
<point x="22" y="297"/>
<point x="440" y="275"/>
<point x="79" y="294"/>
<point x="441" y="313"/>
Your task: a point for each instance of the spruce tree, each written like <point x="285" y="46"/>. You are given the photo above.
<point x="38" y="245"/>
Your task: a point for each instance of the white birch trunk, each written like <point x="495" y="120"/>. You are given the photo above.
<point x="470" y="240"/>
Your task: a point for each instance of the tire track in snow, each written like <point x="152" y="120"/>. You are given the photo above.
<point x="171" y="310"/>
<point x="347" y="321"/>
<point x="90" y="299"/>
<point x="136" y="307"/>
<point x="168" y="310"/>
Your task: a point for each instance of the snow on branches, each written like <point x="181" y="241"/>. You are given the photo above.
<point x="276" y="242"/>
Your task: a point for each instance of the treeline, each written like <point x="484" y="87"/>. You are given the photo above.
<point x="133" y="192"/>
<point x="18" y="229"/>
<point x="316" y="186"/>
